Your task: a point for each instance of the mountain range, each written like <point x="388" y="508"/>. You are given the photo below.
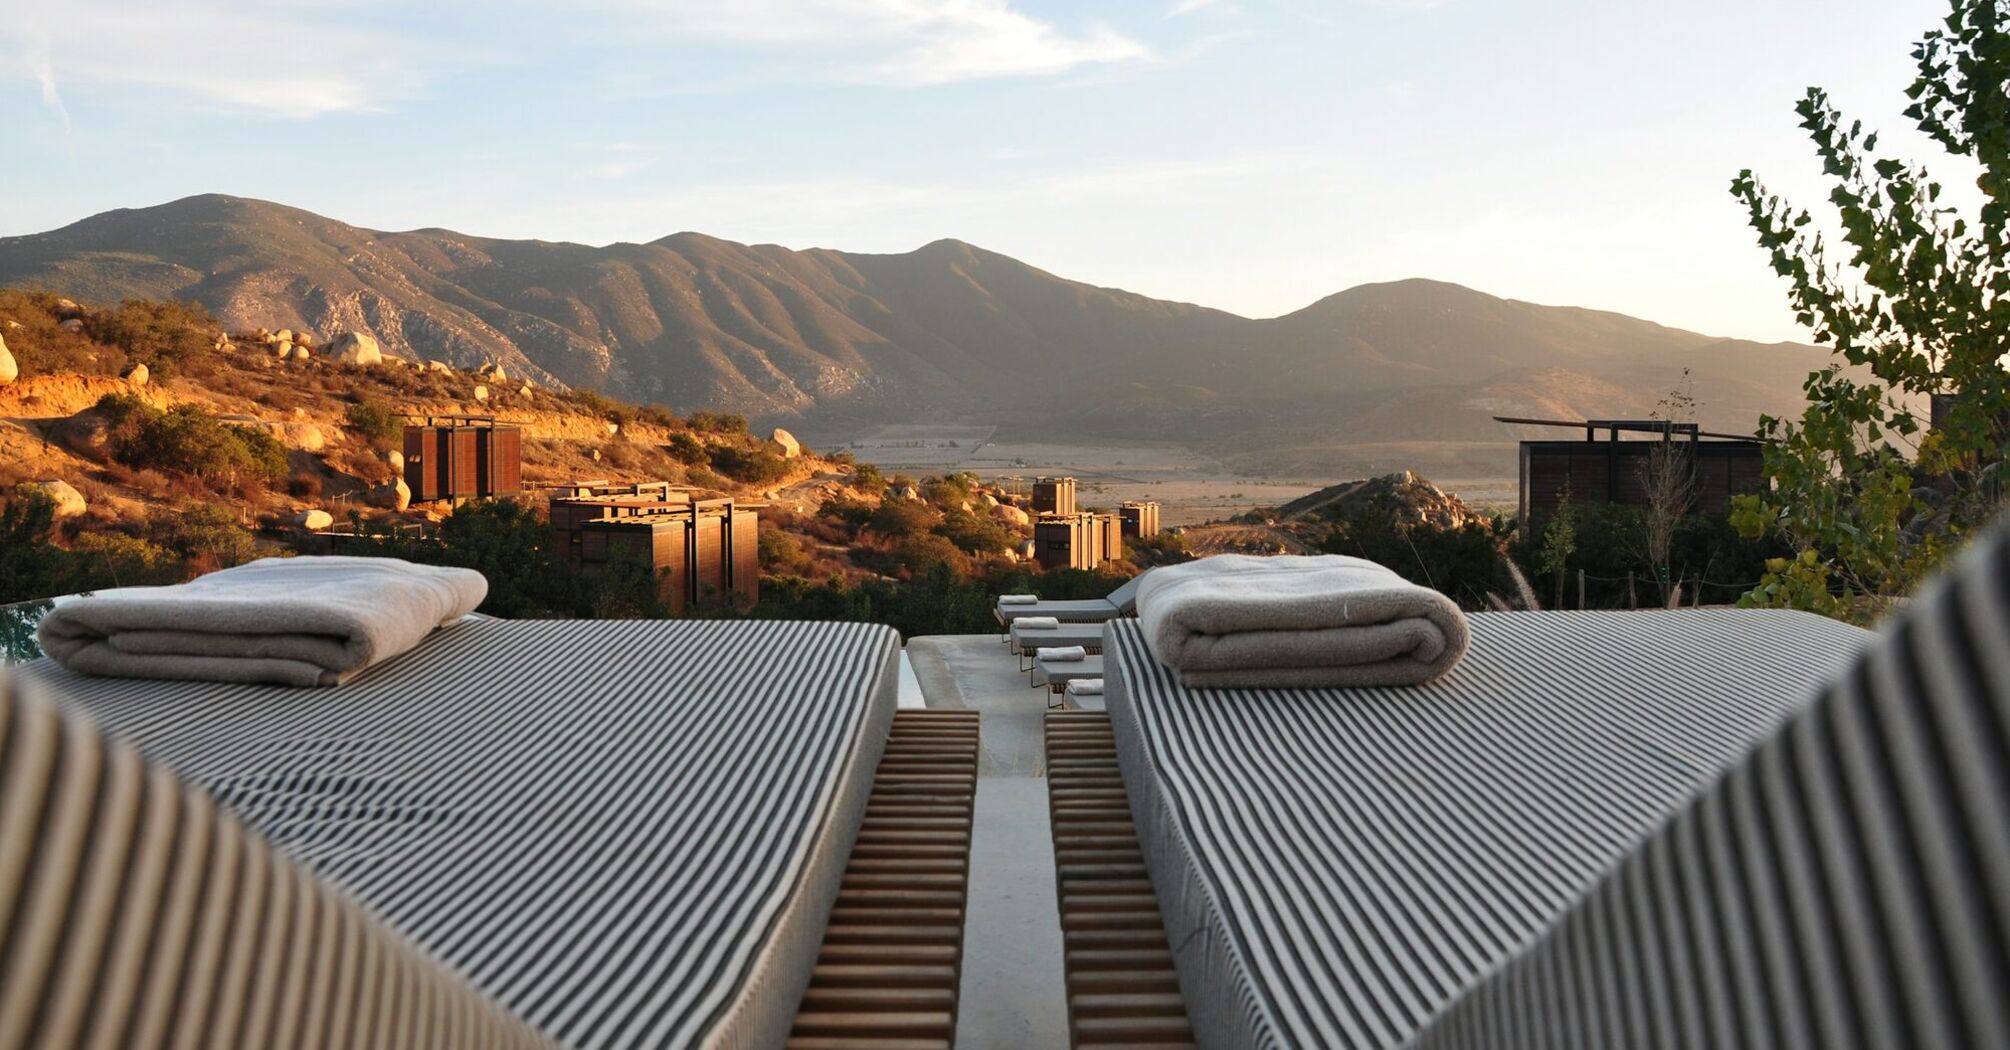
<point x="833" y="344"/>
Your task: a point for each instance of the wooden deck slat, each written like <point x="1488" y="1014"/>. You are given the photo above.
<point x="1123" y="993"/>
<point x="890" y="969"/>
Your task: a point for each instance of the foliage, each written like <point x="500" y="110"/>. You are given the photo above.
<point x="1559" y="542"/>
<point x="1463" y="563"/>
<point x="1799" y="582"/>
<point x="157" y="333"/>
<point x="755" y="466"/>
<point x="718" y="423"/>
<point x="202" y="532"/>
<point x="898" y="518"/>
<point x="505" y="541"/>
<point x="686" y="449"/>
<point x="867" y="477"/>
<point x="975" y="533"/>
<point x="1920" y="307"/>
<point x="34" y="565"/>
<point x="187" y="440"/>
<point x="782" y="552"/>
<point x="379" y="426"/>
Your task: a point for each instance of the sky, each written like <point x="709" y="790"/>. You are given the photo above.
<point x="1251" y="155"/>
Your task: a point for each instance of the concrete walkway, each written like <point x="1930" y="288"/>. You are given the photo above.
<point x="1013" y="995"/>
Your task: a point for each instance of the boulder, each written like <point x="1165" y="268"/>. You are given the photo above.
<point x="284" y="335"/>
<point x="303" y="339"/>
<point x="68" y="310"/>
<point x="74" y="326"/>
<point x="438" y="366"/>
<point x="395" y="496"/>
<point x="69" y="502"/>
<point x="907" y="492"/>
<point x="498" y="376"/>
<point x="396" y="459"/>
<point x="9" y="371"/>
<point x="482" y="394"/>
<point x="1028" y="550"/>
<point x="356" y="348"/>
<point x="613" y="429"/>
<point x="791" y="448"/>
<point x="1011" y="515"/>
<point x="524" y="391"/>
<point x="137" y="375"/>
<point x="314" y="520"/>
<point x="595" y="454"/>
<point x="304" y="436"/>
<point x="300" y="352"/>
<point x="987" y="499"/>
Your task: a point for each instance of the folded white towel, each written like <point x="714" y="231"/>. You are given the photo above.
<point x="1235" y="621"/>
<point x="1037" y="623"/>
<point x="1061" y="653"/>
<point x="1018" y="599"/>
<point x="1085" y="687"/>
<point x="290" y="621"/>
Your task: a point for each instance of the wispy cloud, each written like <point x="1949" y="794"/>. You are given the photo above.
<point x="1187" y="7"/>
<point x="907" y="42"/>
<point x="236" y="54"/>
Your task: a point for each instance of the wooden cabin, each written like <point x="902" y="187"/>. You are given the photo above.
<point x="462" y="457"/>
<point x="1140" y="519"/>
<point x="705" y="553"/>
<point x="1604" y="468"/>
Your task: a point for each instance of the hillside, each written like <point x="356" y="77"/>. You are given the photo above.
<point x="834" y="343"/>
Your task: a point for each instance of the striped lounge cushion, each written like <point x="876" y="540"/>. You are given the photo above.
<point x="626" y="834"/>
<point x="1847" y="886"/>
<point x="1335" y="865"/>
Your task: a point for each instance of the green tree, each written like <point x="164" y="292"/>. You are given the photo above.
<point x="1917" y="309"/>
<point x="1559" y="542"/>
<point x="378" y="425"/>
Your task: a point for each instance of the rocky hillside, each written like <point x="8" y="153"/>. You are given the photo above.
<point x="131" y="415"/>
<point x="832" y="343"/>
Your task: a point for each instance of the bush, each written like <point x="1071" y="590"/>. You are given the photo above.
<point x="686" y="449"/>
<point x="897" y="519"/>
<point x="976" y="534"/>
<point x="718" y="423"/>
<point x="377" y="425"/>
<point x="867" y="477"/>
<point x="758" y="466"/>
<point x="202" y="531"/>
<point x="159" y="334"/>
<point x="189" y="441"/>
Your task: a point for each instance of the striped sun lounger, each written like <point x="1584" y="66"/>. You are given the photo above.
<point x="611" y="834"/>
<point x="1336" y="866"/>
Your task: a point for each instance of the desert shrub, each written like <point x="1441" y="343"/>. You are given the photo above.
<point x="186" y="440"/>
<point x="781" y="552"/>
<point x="158" y="333"/>
<point x="596" y="403"/>
<point x="867" y="477"/>
<point x="950" y="491"/>
<point x="506" y="542"/>
<point x="756" y="466"/>
<point x="1465" y="563"/>
<point x="851" y="512"/>
<point x="927" y="553"/>
<point x="718" y="422"/>
<point x="686" y="449"/>
<point x="119" y="560"/>
<point x="201" y="531"/>
<point x="42" y="347"/>
<point x="975" y="534"/>
<point x="901" y="518"/>
<point x="377" y="425"/>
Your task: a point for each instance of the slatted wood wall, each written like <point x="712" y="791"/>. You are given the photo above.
<point x="888" y="974"/>
<point x="1122" y="991"/>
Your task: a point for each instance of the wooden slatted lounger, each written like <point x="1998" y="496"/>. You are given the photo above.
<point x="888" y="973"/>
<point x="1119" y="970"/>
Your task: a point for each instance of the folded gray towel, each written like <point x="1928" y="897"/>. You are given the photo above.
<point x="1234" y="621"/>
<point x="290" y="621"/>
<point x="1085" y="687"/>
<point x="1037" y="623"/>
<point x="1018" y="599"/>
<point x="1061" y="653"/>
